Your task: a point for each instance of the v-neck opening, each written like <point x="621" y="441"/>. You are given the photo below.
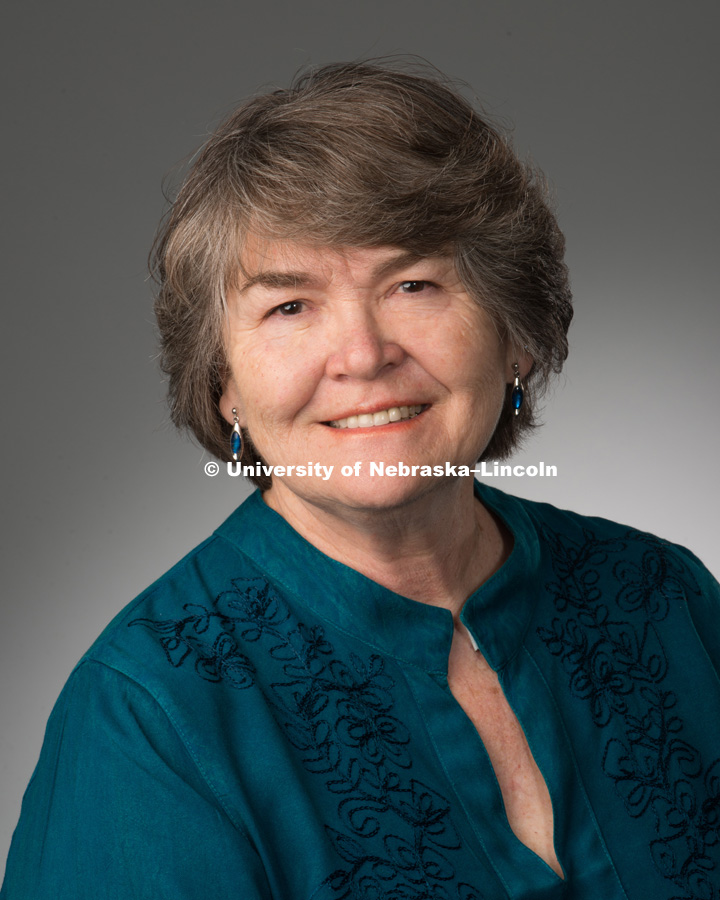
<point x="502" y="799"/>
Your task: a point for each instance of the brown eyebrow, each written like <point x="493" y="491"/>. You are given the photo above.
<point x="280" y="280"/>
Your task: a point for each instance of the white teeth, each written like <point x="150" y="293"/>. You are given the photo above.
<point x="383" y="417"/>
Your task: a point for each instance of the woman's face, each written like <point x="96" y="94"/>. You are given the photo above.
<point x="319" y="340"/>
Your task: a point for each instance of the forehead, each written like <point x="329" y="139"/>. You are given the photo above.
<point x="277" y="263"/>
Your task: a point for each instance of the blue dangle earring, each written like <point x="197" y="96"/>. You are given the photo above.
<point x="236" y="438"/>
<point x="516" y="398"/>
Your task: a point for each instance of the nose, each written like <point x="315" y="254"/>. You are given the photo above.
<point x="358" y="346"/>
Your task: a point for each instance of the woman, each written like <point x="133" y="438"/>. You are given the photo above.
<point x="380" y="685"/>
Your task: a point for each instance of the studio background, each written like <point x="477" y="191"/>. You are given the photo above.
<point x="616" y="102"/>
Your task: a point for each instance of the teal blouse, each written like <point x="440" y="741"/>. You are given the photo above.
<point x="264" y="722"/>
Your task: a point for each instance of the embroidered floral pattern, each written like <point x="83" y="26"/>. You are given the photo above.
<point x="398" y="835"/>
<point x="612" y="651"/>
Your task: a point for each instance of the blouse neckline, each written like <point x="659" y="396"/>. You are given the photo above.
<point x="497" y="614"/>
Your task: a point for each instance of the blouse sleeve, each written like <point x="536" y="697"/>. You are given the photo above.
<point x="704" y="606"/>
<point x="118" y="810"/>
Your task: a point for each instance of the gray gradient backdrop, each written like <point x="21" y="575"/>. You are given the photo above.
<point x="616" y="101"/>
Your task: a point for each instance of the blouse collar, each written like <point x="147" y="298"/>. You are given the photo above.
<point x="497" y="614"/>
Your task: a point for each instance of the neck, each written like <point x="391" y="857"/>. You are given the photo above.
<point x="436" y="549"/>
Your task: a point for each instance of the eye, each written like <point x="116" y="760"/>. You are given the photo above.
<point x="415" y="287"/>
<point x="288" y="309"/>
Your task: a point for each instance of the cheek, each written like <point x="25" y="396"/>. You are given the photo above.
<point x="481" y="393"/>
<point x="274" y="386"/>
<point x="485" y="356"/>
<point x="468" y="359"/>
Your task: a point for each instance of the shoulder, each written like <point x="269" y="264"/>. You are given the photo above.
<point x="145" y="635"/>
<point x="570" y="534"/>
<point x="130" y="731"/>
<point x="586" y="556"/>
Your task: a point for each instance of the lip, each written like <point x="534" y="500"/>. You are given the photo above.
<point x="423" y="407"/>
<point x="376" y="407"/>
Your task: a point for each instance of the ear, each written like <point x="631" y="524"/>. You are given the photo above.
<point x="229" y="400"/>
<point x="523" y="359"/>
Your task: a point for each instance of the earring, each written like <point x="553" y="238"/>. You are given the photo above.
<point x="516" y="398"/>
<point x="236" y="438"/>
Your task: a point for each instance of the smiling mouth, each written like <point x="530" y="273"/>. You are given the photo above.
<point x="381" y="417"/>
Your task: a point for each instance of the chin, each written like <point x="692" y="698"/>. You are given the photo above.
<point x="380" y="493"/>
